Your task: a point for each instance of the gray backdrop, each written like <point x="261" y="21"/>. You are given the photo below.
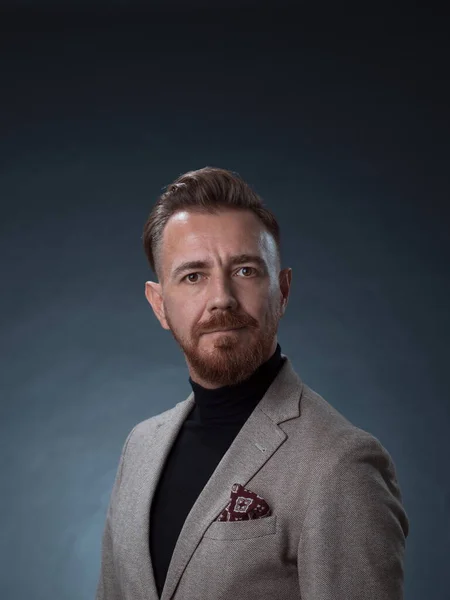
<point x="341" y="126"/>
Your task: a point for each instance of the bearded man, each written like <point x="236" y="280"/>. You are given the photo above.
<point x="254" y="486"/>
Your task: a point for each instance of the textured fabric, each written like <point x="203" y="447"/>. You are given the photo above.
<point x="337" y="527"/>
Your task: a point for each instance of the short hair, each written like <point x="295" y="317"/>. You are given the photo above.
<point x="206" y="190"/>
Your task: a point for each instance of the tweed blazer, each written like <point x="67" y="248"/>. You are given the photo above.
<point x="337" y="527"/>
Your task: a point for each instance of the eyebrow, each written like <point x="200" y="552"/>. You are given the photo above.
<point x="234" y="260"/>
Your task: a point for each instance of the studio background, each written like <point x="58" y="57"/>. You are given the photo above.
<point x="341" y="124"/>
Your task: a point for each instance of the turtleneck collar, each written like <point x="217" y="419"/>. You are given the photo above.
<point x="232" y="404"/>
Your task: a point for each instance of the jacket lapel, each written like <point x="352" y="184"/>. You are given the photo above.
<point x="258" y="439"/>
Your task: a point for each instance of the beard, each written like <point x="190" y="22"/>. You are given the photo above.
<point x="228" y="357"/>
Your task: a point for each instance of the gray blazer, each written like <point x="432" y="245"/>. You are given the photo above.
<point x="337" y="529"/>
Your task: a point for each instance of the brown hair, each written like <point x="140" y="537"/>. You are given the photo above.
<point x="205" y="190"/>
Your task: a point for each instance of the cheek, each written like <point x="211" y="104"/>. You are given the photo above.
<point x="269" y="311"/>
<point x="184" y="314"/>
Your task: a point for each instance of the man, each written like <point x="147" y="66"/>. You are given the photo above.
<point x="254" y="486"/>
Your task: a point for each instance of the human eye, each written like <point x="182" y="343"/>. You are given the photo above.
<point x="185" y="278"/>
<point x="188" y="279"/>
<point x="246" y="267"/>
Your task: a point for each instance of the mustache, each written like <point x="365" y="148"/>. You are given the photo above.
<point x="227" y="322"/>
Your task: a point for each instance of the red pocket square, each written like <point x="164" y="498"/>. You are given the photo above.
<point x="243" y="505"/>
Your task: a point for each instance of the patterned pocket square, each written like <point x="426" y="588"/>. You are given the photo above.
<point x="244" y="505"/>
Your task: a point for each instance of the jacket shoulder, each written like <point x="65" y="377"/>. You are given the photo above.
<point x="333" y="432"/>
<point x="142" y="429"/>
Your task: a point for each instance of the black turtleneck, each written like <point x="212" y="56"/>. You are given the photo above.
<point x="205" y="436"/>
<point x="233" y="404"/>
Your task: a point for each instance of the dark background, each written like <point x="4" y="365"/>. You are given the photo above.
<point x="339" y="120"/>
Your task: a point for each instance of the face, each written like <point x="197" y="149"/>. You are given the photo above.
<point x="222" y="312"/>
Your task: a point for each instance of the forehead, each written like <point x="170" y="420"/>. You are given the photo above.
<point x="188" y="233"/>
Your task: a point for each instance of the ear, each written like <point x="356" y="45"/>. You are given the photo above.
<point x="285" y="279"/>
<point x="153" y="293"/>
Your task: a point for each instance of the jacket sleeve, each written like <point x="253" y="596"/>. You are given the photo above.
<point x="108" y="586"/>
<point x="353" y="537"/>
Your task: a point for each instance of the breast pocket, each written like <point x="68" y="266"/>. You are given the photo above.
<point x="242" y="530"/>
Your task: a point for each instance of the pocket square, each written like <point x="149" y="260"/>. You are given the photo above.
<point x="244" y="505"/>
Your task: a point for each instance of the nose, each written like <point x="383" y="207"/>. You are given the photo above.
<point x="221" y="294"/>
